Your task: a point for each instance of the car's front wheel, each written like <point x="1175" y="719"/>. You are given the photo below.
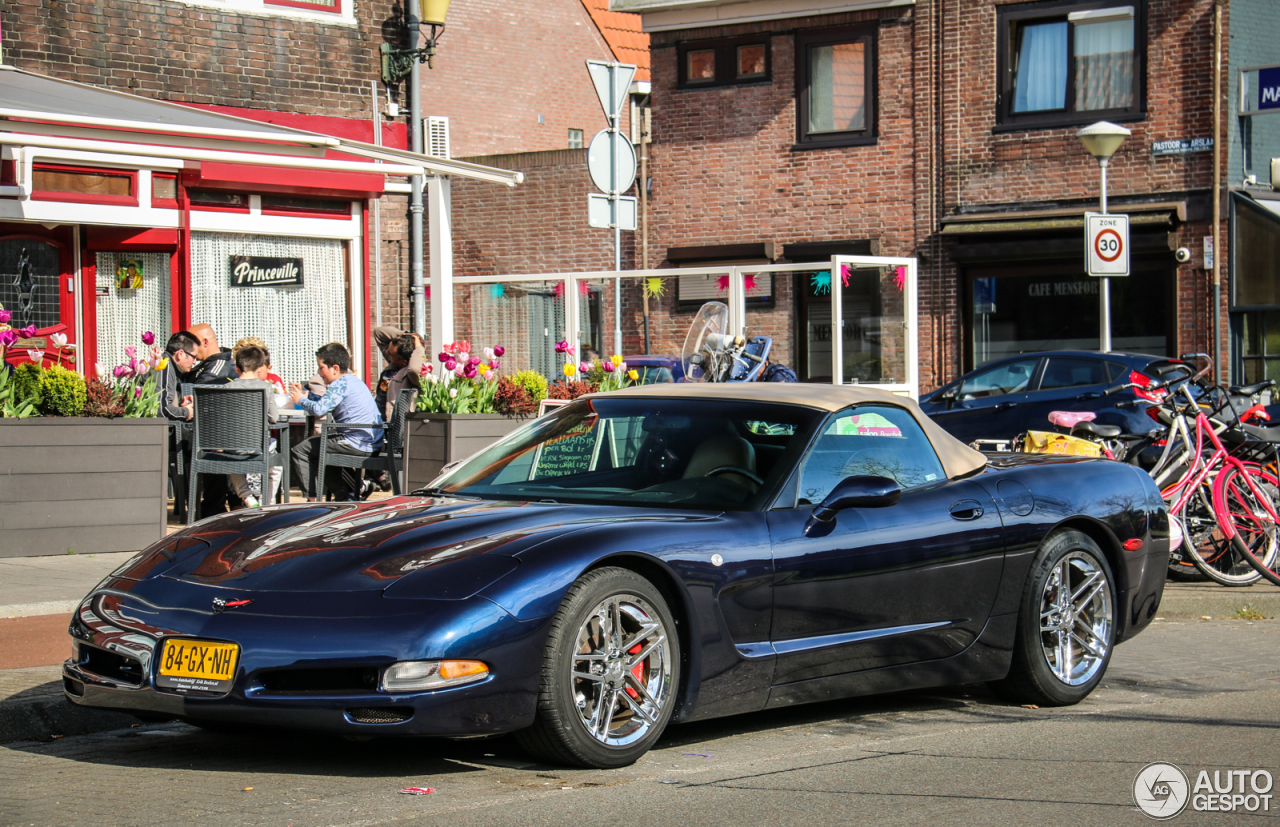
<point x="609" y="675"/>
<point x="1066" y="625"/>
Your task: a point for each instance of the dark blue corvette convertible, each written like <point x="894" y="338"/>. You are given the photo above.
<point x="649" y="556"/>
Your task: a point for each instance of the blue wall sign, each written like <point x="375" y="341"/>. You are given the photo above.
<point x="1269" y="88"/>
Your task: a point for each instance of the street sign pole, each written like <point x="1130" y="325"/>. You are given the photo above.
<point x="613" y="82"/>
<point x="1104" y="289"/>
<point x="1106" y="253"/>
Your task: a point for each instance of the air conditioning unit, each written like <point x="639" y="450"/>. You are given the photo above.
<point x="435" y="132"/>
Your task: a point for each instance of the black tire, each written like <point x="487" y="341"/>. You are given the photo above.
<point x="1033" y="675"/>
<point x="560" y="733"/>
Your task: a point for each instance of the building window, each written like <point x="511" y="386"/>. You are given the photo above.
<point x="164" y="190"/>
<point x="835" y="88"/>
<point x="293" y="204"/>
<point x="90" y="186"/>
<point x="1064" y="64"/>
<point x="724" y="62"/>
<point x="575" y="139"/>
<point x="218" y="200"/>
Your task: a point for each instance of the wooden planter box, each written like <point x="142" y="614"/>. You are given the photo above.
<point x="433" y="440"/>
<point x="82" y="485"/>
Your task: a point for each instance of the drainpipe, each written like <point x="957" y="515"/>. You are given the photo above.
<point x="417" y="287"/>
<point x="1220" y="373"/>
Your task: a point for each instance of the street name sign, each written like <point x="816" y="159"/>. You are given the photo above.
<point x="1106" y="244"/>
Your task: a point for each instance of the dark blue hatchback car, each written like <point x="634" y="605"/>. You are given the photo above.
<point x="1004" y="398"/>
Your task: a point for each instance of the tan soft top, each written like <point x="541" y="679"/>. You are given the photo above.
<point x="957" y="458"/>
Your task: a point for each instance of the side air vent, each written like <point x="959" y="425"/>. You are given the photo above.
<point x="380" y="714"/>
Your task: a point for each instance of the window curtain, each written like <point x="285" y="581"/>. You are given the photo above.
<point x="837" y="87"/>
<point x="1040" y="77"/>
<point x="1104" y="65"/>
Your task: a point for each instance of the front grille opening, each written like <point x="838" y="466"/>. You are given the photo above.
<point x="111" y="665"/>
<point x="380" y="714"/>
<point x="331" y="680"/>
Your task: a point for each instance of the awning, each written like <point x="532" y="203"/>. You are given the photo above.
<point x="54" y="116"/>
<point x="1153" y="215"/>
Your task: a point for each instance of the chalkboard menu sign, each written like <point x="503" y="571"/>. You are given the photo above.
<point x="576" y="452"/>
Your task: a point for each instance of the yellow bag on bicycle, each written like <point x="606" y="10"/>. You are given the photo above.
<point x="1046" y="442"/>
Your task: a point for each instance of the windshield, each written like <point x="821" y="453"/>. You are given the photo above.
<point x="670" y="453"/>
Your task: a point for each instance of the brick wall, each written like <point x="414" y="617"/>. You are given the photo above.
<point x="500" y="66"/>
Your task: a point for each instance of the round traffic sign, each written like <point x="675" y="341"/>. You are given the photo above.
<point x="1108" y="245"/>
<point x="611" y="160"/>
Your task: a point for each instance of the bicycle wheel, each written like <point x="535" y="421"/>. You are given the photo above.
<point x="1206" y="546"/>
<point x="1246" y="520"/>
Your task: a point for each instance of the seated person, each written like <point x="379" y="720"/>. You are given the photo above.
<point x="181" y="351"/>
<point x="346" y="399"/>
<point x="276" y="382"/>
<point x="251" y="363"/>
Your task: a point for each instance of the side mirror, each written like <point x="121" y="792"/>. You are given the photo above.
<point x="857" y="492"/>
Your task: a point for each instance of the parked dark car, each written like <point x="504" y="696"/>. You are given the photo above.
<point x="654" y="555"/>
<point x="1004" y="398"/>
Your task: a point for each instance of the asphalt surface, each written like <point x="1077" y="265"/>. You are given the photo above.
<point x="1201" y="694"/>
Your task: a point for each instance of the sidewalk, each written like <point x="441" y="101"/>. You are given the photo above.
<point x="38" y="594"/>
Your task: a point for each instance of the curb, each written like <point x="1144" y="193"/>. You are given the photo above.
<point x="40" y="712"/>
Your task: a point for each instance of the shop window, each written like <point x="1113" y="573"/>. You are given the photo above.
<point x="835" y="88"/>
<point x="218" y="200"/>
<point x="60" y="183"/>
<point x="292" y="205"/>
<point x="1064" y="64"/>
<point x="1260" y="345"/>
<point x="724" y="62"/>
<point x="164" y="190"/>
<point x="1029" y="309"/>
<point x="1255" y="248"/>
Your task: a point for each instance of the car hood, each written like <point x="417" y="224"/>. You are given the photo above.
<point x="356" y="546"/>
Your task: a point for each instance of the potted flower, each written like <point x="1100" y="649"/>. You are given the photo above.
<point x="83" y="465"/>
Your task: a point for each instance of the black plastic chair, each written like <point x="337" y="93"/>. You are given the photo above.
<point x="230" y="436"/>
<point x="389" y="459"/>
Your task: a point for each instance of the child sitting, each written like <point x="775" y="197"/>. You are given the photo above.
<point x="252" y="365"/>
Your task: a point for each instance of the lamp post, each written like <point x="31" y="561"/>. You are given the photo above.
<point x="396" y="64"/>
<point x="1102" y="139"/>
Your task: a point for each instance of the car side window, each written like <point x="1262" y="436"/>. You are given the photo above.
<point x="1011" y="377"/>
<point x="1068" y="372"/>
<point x="880" y="440"/>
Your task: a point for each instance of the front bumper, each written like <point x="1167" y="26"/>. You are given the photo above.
<point x="119" y="628"/>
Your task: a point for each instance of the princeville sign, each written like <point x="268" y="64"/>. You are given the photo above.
<point x="265" y="271"/>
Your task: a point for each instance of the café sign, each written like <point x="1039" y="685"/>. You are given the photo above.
<point x="265" y="271"/>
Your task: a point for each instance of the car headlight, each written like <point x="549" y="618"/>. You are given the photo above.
<point x="420" y="675"/>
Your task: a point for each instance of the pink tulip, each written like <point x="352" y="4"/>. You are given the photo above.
<point x="458" y="369"/>
<point x="148" y="338"/>
<point x="464" y="356"/>
<point x="28" y="331"/>
<point x="131" y="351"/>
<point x="444" y="356"/>
<point x="622" y="366"/>
<point x="426" y="368"/>
<point x="7" y="337"/>
<point x="494" y="364"/>
<point x="450" y="364"/>
<point x="59" y="340"/>
<point x="137" y="392"/>
<point x="562" y="347"/>
<point x="120" y="371"/>
<point x="499" y="350"/>
<point x="584" y="367"/>
<point x="608" y="366"/>
<point x="473" y="361"/>
<point x="6" y="316"/>
<point x="133" y="366"/>
<point x="36" y="355"/>
<point x="470" y="372"/>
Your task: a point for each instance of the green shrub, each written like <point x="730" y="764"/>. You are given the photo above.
<point x="534" y="384"/>
<point x="63" y="392"/>
<point x="26" y="385"/>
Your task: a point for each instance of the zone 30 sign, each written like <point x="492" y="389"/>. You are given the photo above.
<point x="1106" y="244"/>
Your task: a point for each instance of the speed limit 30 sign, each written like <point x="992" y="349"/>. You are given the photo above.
<point x="1106" y="239"/>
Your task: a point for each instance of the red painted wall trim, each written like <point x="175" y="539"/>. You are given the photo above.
<point x="367" y="311"/>
<point x="110" y="239"/>
<point x="394" y="134"/>
<point x="336" y="8"/>
<point x="245" y="178"/>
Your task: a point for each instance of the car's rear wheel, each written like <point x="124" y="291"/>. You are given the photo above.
<point x="1066" y="624"/>
<point x="609" y="674"/>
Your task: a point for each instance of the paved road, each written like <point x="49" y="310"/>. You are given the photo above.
<point x="1204" y="695"/>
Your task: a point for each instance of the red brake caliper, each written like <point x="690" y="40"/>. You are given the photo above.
<point x="641" y="671"/>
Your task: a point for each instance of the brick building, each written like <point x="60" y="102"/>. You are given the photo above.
<point x="313" y="66"/>
<point x="945" y="131"/>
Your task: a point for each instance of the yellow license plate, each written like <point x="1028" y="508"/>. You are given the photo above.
<point x="191" y="665"/>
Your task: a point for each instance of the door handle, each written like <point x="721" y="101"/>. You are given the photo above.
<point x="1089" y="396"/>
<point x="1004" y="406"/>
<point x="966" y="510"/>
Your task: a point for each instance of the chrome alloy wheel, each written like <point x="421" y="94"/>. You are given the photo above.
<point x="621" y="669"/>
<point x="1076" y="618"/>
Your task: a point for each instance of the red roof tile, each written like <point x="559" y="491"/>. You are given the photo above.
<point x="621" y="30"/>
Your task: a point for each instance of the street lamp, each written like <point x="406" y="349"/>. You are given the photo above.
<point x="396" y="63"/>
<point x="1102" y="139"/>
